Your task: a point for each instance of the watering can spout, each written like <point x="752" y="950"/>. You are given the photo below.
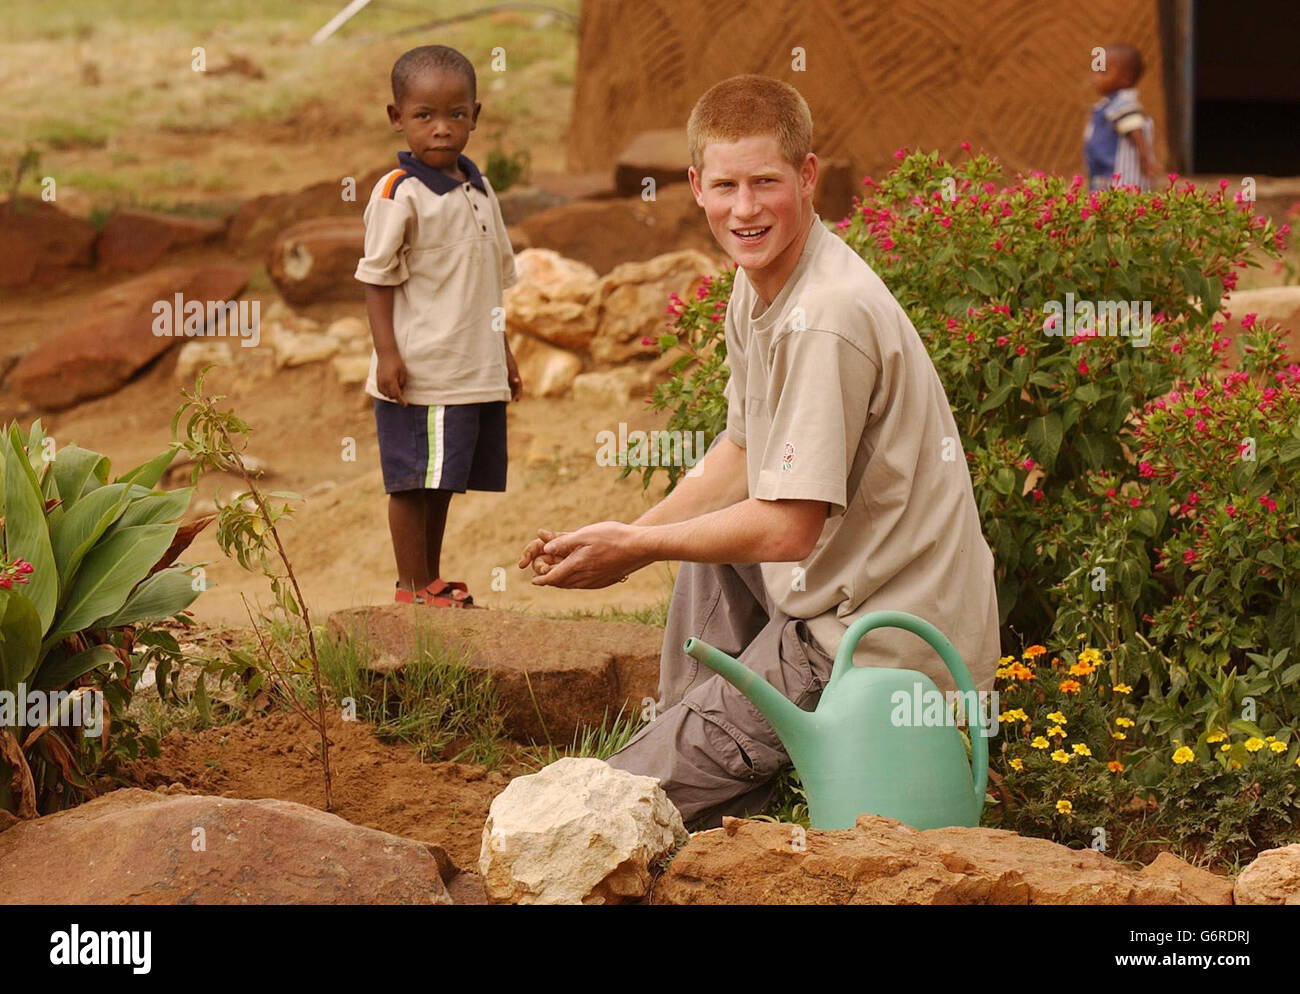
<point x="786" y="718"/>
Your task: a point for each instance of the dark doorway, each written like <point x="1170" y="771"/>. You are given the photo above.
<point x="1246" y="87"/>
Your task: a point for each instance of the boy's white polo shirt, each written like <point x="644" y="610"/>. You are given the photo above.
<point x="443" y="245"/>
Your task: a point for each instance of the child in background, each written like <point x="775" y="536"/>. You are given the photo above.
<point x="437" y="258"/>
<point x="1117" y="142"/>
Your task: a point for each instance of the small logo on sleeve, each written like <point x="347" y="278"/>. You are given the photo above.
<point x="787" y="459"/>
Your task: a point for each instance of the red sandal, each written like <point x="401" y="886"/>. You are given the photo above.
<point x="449" y="593"/>
<point x="426" y="597"/>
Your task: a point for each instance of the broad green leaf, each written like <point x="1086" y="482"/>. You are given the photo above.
<point x="167" y="592"/>
<point x="20" y="640"/>
<point x="75" y="469"/>
<point x="81" y="527"/>
<point x="27" y="535"/>
<point x="156" y="508"/>
<point x="1044" y="438"/>
<point x="57" y="674"/>
<point x="108" y="573"/>
<point x="149" y="473"/>
<point x="997" y="397"/>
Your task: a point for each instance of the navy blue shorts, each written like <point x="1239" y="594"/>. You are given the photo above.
<point x="454" y="447"/>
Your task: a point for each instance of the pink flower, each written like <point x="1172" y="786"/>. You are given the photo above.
<point x="1223" y="184"/>
<point x="1189" y="556"/>
<point x="1021" y="350"/>
<point x="1135" y="502"/>
<point x="965" y="147"/>
<point x="1201" y="426"/>
<point x="1268" y="502"/>
<point x="1193" y="498"/>
<point x="1002" y="340"/>
<point x="887" y="244"/>
<point x="946" y="222"/>
<point x="1038" y="494"/>
<point x="647" y="340"/>
<point x="997" y="245"/>
<point x="1083" y="367"/>
<point x="1230" y="511"/>
<point x="1029" y="465"/>
<point x="1145" y="469"/>
<point x="1248" y="321"/>
<point x="970" y="336"/>
<point x="901" y="153"/>
<point x="1110" y="491"/>
<point x="1085" y="213"/>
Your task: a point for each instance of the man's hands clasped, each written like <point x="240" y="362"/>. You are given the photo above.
<point x="591" y="557"/>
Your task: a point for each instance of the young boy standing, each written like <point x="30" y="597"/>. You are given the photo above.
<point x="1117" y="140"/>
<point x="838" y="488"/>
<point x="437" y="258"/>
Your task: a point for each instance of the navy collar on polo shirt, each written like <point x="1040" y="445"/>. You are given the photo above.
<point x="435" y="179"/>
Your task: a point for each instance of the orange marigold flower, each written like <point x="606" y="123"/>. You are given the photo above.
<point x="1018" y="672"/>
<point x="1115" y="766"/>
<point x="1082" y="669"/>
<point x="1070" y="686"/>
<point x="1034" y="651"/>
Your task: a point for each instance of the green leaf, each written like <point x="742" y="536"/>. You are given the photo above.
<point x="56" y="675"/>
<point x="149" y="473"/>
<point x="998" y="397"/>
<point x="108" y="573"/>
<point x="27" y="535"/>
<point x="166" y="593"/>
<point x="20" y="640"/>
<point x="156" y="508"/>
<point x="75" y="470"/>
<point x="1088" y="393"/>
<point x="1044" y="437"/>
<point x="81" y="527"/>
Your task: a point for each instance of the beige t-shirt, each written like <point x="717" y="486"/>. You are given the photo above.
<point x="449" y="256"/>
<point x="834" y="398"/>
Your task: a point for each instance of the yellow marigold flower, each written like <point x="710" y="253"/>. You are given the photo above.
<point x="1015" y="714"/>
<point x="1057" y="731"/>
<point x="1064" y="807"/>
<point x="1233" y="764"/>
<point x="1123" y="688"/>
<point x="1115" y="766"/>
<point x="1034" y="651"/>
<point x="1056" y="661"/>
<point x="1277" y="746"/>
<point x="1269" y="738"/>
<point x="1226" y="747"/>
<point x="1057" y="717"/>
<point x="1118" y="735"/>
<point x="1061" y="756"/>
<point x="1183" y="755"/>
<point x="1254" y="745"/>
<point x="1216" y="736"/>
<point x="1070" y="686"/>
<point x="1039" y="742"/>
<point x="1090" y="657"/>
<point x="1000" y="672"/>
<point x="1297" y="761"/>
<point x="1081" y="749"/>
<point x="1082" y="669"/>
<point x="1006" y="659"/>
<point x="1018" y="764"/>
<point x="1124" y="722"/>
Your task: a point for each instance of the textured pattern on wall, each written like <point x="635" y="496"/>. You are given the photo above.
<point x="1010" y="76"/>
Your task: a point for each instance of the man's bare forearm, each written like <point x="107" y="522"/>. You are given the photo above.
<point x="720" y="483"/>
<point x="749" y="531"/>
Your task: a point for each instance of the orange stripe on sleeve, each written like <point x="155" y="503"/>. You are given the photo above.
<point x="393" y="177"/>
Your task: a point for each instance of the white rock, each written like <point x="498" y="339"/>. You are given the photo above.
<point x="577" y="832"/>
<point x="347" y="330"/>
<point x="611" y="387"/>
<point x="351" y="369"/>
<point x="194" y="355"/>
<point x="1273" y="878"/>
<point x="298" y="350"/>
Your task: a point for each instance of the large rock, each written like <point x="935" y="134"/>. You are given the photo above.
<point x="112" y="338"/>
<point x="39" y="242"/>
<point x="546" y="370"/>
<point x="606" y="233"/>
<point x="552" y="299"/>
<point x="1271" y="303"/>
<point x="882" y="861"/>
<point x="520" y="202"/>
<point x="578" y="832"/>
<point x="316" y="260"/>
<point x="631" y="302"/>
<point x="258" y="221"/>
<point x="660" y="155"/>
<point x="1272" y="878"/>
<point x="551" y="676"/>
<point x="138" y="847"/>
<point x="137" y="240"/>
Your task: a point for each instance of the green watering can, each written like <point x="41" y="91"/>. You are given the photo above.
<point x="866" y="748"/>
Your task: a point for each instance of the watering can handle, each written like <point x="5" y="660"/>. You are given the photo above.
<point x="960" y="674"/>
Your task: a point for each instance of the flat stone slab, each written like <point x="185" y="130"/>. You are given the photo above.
<point x="551" y="676"/>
